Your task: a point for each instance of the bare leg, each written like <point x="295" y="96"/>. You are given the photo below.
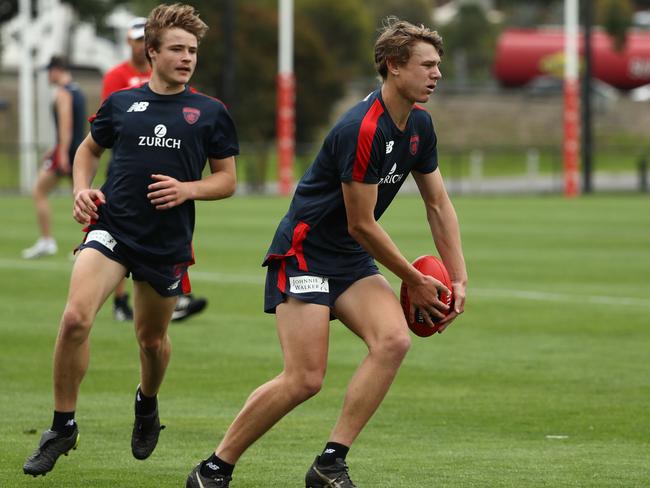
<point x="303" y="330"/>
<point x="371" y="310"/>
<point x="93" y="278"/>
<point x="152" y="315"/>
<point x="45" y="183"/>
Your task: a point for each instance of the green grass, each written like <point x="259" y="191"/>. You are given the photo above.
<point x="9" y="168"/>
<point x="554" y="342"/>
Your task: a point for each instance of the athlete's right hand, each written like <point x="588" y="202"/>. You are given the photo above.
<point x="86" y="203"/>
<point x="425" y="297"/>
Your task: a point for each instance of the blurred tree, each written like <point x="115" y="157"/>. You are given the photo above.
<point x="253" y="65"/>
<point x="532" y="13"/>
<point x="320" y="82"/>
<point x="415" y="11"/>
<point x="143" y="7"/>
<point x="8" y="9"/>
<point x="95" y="11"/>
<point x="616" y="17"/>
<point x="344" y="27"/>
<point x="469" y="45"/>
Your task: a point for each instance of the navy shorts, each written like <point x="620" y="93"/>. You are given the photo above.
<point x="287" y="280"/>
<point x="167" y="279"/>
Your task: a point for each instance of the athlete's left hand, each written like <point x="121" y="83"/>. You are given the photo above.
<point x="167" y="192"/>
<point x="460" y="290"/>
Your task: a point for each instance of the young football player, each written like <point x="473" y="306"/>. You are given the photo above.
<point x="141" y="221"/>
<point x="129" y="74"/>
<point x="321" y="262"/>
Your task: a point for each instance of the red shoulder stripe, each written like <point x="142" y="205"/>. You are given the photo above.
<point x="194" y="90"/>
<point x="364" y="140"/>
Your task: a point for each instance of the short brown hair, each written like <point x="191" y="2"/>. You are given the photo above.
<point x="396" y="39"/>
<point x="60" y="62"/>
<point x="167" y="17"/>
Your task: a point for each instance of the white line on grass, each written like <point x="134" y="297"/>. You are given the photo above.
<point x="560" y="297"/>
<point x="37" y="265"/>
<point x="258" y="279"/>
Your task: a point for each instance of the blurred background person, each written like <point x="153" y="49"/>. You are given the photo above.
<point x="131" y="73"/>
<point x="69" y="110"/>
<point x="136" y="70"/>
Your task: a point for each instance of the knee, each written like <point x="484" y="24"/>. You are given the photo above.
<point x="151" y="344"/>
<point x="75" y="324"/>
<point x="305" y="385"/>
<point x="394" y="346"/>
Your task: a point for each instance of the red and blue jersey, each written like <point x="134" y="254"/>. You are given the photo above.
<point x="150" y="134"/>
<point x="365" y="146"/>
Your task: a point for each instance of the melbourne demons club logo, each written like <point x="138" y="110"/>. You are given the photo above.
<point x="191" y="114"/>
<point x="413" y="144"/>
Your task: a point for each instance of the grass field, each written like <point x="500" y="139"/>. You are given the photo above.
<point x="543" y="382"/>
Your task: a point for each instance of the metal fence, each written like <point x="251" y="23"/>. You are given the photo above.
<point x="467" y="170"/>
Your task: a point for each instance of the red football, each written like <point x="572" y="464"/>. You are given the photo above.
<point x="432" y="266"/>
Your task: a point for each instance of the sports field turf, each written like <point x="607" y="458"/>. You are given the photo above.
<point x="543" y="382"/>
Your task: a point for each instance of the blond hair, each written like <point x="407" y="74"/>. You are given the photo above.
<point x="396" y="39"/>
<point x="168" y="17"/>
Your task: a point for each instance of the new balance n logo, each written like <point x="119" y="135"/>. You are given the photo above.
<point x="138" y="107"/>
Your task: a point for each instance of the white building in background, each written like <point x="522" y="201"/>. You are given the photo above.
<point x="29" y="43"/>
<point x="57" y="30"/>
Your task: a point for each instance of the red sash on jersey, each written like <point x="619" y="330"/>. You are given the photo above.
<point x="299" y="235"/>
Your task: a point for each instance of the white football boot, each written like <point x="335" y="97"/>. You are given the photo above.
<point x="44" y="246"/>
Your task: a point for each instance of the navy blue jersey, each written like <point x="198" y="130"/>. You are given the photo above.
<point x="78" y="118"/>
<point x="150" y="134"/>
<point x="365" y="146"/>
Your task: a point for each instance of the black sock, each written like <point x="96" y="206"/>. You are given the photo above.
<point x="214" y="465"/>
<point x="332" y="452"/>
<point x="144" y="405"/>
<point x="63" y="422"/>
